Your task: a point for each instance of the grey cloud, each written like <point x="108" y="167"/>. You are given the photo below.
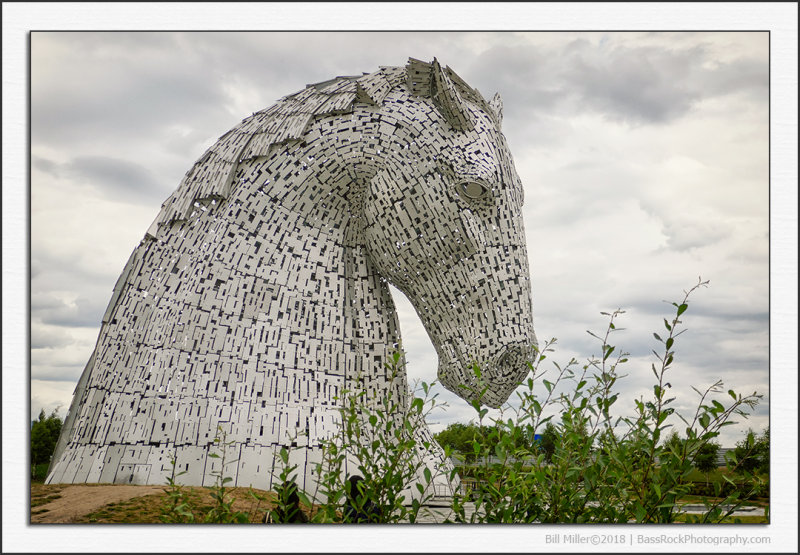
<point x="684" y="234"/>
<point x="57" y="373"/>
<point x="90" y="287"/>
<point x="46" y="301"/>
<point x="119" y="179"/>
<point x="657" y="85"/>
<point x="745" y="75"/>
<point x="635" y="85"/>
<point x="49" y="337"/>
<point x="45" y="165"/>
<point x="131" y="90"/>
<point x="522" y="75"/>
<point x="114" y="178"/>
<point x="69" y="270"/>
<point x="731" y="313"/>
<point x="49" y="309"/>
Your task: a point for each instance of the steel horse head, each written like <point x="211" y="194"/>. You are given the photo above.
<point x="260" y="292"/>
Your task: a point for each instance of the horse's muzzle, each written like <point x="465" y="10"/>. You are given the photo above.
<point x="506" y="372"/>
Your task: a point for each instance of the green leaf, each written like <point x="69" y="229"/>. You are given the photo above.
<point x="682" y="308"/>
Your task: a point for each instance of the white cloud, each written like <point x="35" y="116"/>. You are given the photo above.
<point x="51" y="396"/>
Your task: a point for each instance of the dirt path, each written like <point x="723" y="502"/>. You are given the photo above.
<point x="64" y="503"/>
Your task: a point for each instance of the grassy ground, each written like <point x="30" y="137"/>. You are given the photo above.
<point x="148" y="509"/>
<point x="42" y="495"/>
<point x="742" y="519"/>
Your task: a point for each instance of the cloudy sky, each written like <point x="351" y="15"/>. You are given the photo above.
<point x="645" y="158"/>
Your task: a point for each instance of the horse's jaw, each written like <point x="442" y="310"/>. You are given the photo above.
<point x="495" y="379"/>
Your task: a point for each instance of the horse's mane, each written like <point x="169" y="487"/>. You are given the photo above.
<point x="210" y="178"/>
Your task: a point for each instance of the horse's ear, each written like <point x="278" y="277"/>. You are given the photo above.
<point x="447" y="98"/>
<point x="496" y="104"/>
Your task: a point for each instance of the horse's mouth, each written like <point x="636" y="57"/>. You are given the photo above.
<point x="506" y="373"/>
<point x="499" y="378"/>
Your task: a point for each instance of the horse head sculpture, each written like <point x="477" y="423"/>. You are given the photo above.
<point x="444" y="225"/>
<point x="260" y="292"/>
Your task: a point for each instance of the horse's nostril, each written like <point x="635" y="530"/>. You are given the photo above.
<point x="512" y="361"/>
<point x="501" y="374"/>
<point x="508" y="370"/>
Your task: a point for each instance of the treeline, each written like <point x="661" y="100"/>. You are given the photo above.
<point x="44" y="435"/>
<point x="467" y="441"/>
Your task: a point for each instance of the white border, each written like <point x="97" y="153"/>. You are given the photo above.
<point x="19" y="18"/>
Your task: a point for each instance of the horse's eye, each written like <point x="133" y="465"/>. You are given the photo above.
<point x="472" y="190"/>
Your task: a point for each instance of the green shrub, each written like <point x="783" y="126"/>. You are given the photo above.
<point x="587" y="466"/>
<point x="39" y="472"/>
<point x="377" y="439"/>
<point x="183" y="507"/>
<point x="602" y="469"/>
<point x="751" y="455"/>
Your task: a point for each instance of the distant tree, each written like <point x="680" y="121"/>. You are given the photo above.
<point x="44" y="435"/>
<point x="752" y="453"/>
<point x="459" y="437"/>
<point x="705" y="460"/>
<point x="674" y="442"/>
<point x="548" y="441"/>
<point x="462" y="438"/>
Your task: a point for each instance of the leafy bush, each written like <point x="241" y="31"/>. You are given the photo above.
<point x="181" y="506"/>
<point x="586" y="466"/>
<point x="751" y="454"/>
<point x="377" y="439"/>
<point x="602" y="469"/>
<point x="39" y="472"/>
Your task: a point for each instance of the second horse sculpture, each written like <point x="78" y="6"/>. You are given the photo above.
<point x="260" y="292"/>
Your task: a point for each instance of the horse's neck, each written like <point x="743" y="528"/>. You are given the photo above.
<point x="305" y="243"/>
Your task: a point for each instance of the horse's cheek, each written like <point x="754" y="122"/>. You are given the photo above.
<point x="474" y="237"/>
